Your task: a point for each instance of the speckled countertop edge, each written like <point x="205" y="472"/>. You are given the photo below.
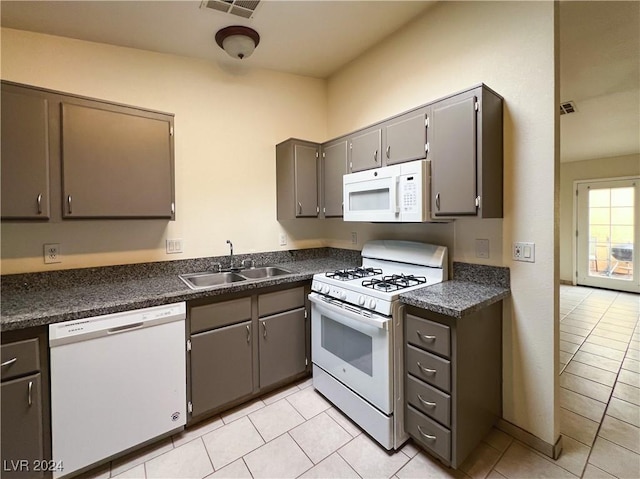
<point x="472" y="288"/>
<point x="38" y="299"/>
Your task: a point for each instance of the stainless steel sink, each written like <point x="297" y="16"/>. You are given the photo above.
<point x="207" y="280"/>
<point x="264" y="272"/>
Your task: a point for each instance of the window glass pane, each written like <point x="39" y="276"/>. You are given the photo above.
<point x="599" y="197"/>
<point x="622" y="215"/>
<point x="622" y="196"/>
<point x="599" y="216"/>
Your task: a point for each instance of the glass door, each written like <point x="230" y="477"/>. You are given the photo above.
<point x="608" y="234"/>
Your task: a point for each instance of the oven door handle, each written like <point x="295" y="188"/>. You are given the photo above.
<point x="379" y="322"/>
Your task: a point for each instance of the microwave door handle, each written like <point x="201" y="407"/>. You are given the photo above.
<point x="396" y="208"/>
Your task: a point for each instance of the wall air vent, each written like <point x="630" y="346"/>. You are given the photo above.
<point x="567" y="107"/>
<point x="240" y="8"/>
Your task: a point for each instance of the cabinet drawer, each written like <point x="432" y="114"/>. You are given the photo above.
<point x="428" y="400"/>
<point x="20" y="358"/>
<point x="279" y="301"/>
<point x="428" y="335"/>
<point x="428" y="433"/>
<point x="216" y="315"/>
<point x="429" y="368"/>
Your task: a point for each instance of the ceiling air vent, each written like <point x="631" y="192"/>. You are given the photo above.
<point x="241" y="8"/>
<point x="567" y="107"/>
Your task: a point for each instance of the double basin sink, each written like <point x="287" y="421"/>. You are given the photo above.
<point x="208" y="279"/>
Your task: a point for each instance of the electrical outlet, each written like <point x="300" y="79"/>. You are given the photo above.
<point x="523" y="251"/>
<point x="173" y="246"/>
<point x="482" y="248"/>
<point x="283" y="239"/>
<point x="354" y="237"/>
<point x="52" y="253"/>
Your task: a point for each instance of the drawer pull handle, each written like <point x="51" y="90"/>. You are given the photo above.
<point x="264" y="329"/>
<point x="39" y="201"/>
<point x="426" y="403"/>
<point x="426" y="370"/>
<point x="30" y="390"/>
<point x="9" y="362"/>
<point x="426" y="337"/>
<point x="426" y="436"/>
<point x="248" y="334"/>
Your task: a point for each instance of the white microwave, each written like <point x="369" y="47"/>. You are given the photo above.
<point x="398" y="193"/>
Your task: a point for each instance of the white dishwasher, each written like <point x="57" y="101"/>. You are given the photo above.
<point x="117" y="381"/>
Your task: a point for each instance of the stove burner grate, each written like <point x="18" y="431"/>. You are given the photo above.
<point x="394" y="282"/>
<point x="353" y="273"/>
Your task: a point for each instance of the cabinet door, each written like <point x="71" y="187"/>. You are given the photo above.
<point x="306" y="180"/>
<point x="282" y="346"/>
<point x="22" y="433"/>
<point x="453" y="165"/>
<point x="334" y="167"/>
<point x="25" y="156"/>
<point x="221" y="366"/>
<point x="116" y="163"/>
<point x="366" y="150"/>
<point x="406" y="138"/>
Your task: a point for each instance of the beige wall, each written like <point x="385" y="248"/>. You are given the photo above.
<point x="227" y="124"/>
<point x="510" y="47"/>
<point x="616" y="167"/>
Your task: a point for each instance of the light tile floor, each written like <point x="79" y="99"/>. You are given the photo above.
<point x="295" y="432"/>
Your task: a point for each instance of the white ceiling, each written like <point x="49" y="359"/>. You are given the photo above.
<point x="599" y="47"/>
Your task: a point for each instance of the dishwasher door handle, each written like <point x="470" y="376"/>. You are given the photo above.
<point x="126" y="327"/>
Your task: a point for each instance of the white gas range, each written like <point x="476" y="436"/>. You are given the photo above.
<point x="356" y="334"/>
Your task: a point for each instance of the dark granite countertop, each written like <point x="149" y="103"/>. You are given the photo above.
<point x="38" y="299"/>
<point x="472" y="288"/>
<point x="455" y="298"/>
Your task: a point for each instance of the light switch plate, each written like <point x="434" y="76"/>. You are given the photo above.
<point x="482" y="248"/>
<point x="283" y="239"/>
<point x="173" y="246"/>
<point x="524" y="251"/>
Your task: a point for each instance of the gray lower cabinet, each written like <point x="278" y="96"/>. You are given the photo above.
<point x="333" y="167"/>
<point x="25" y="156"/>
<point x="243" y="346"/>
<point x="26" y="440"/>
<point x="466" y="155"/>
<point x="453" y="380"/>
<point x="405" y="137"/>
<point x="366" y="149"/>
<point x="222" y="366"/>
<point x="282" y="346"/>
<point x="297" y="179"/>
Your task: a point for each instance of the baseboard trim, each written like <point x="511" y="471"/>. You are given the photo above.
<point x="551" y="450"/>
<point x="567" y="282"/>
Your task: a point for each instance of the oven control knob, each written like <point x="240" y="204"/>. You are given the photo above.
<point x="324" y="289"/>
<point x="343" y="295"/>
<point x="372" y="303"/>
<point x="361" y="300"/>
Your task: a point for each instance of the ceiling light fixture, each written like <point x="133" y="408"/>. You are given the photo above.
<point x="238" y="41"/>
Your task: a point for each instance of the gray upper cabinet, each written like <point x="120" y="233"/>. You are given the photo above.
<point x="466" y="155"/>
<point x="25" y="156"/>
<point x="334" y="167"/>
<point x="366" y="149"/>
<point x="66" y="156"/>
<point x="116" y="162"/>
<point x="405" y="137"/>
<point x="297" y="179"/>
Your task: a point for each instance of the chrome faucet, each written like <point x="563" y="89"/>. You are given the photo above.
<point x="230" y="254"/>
